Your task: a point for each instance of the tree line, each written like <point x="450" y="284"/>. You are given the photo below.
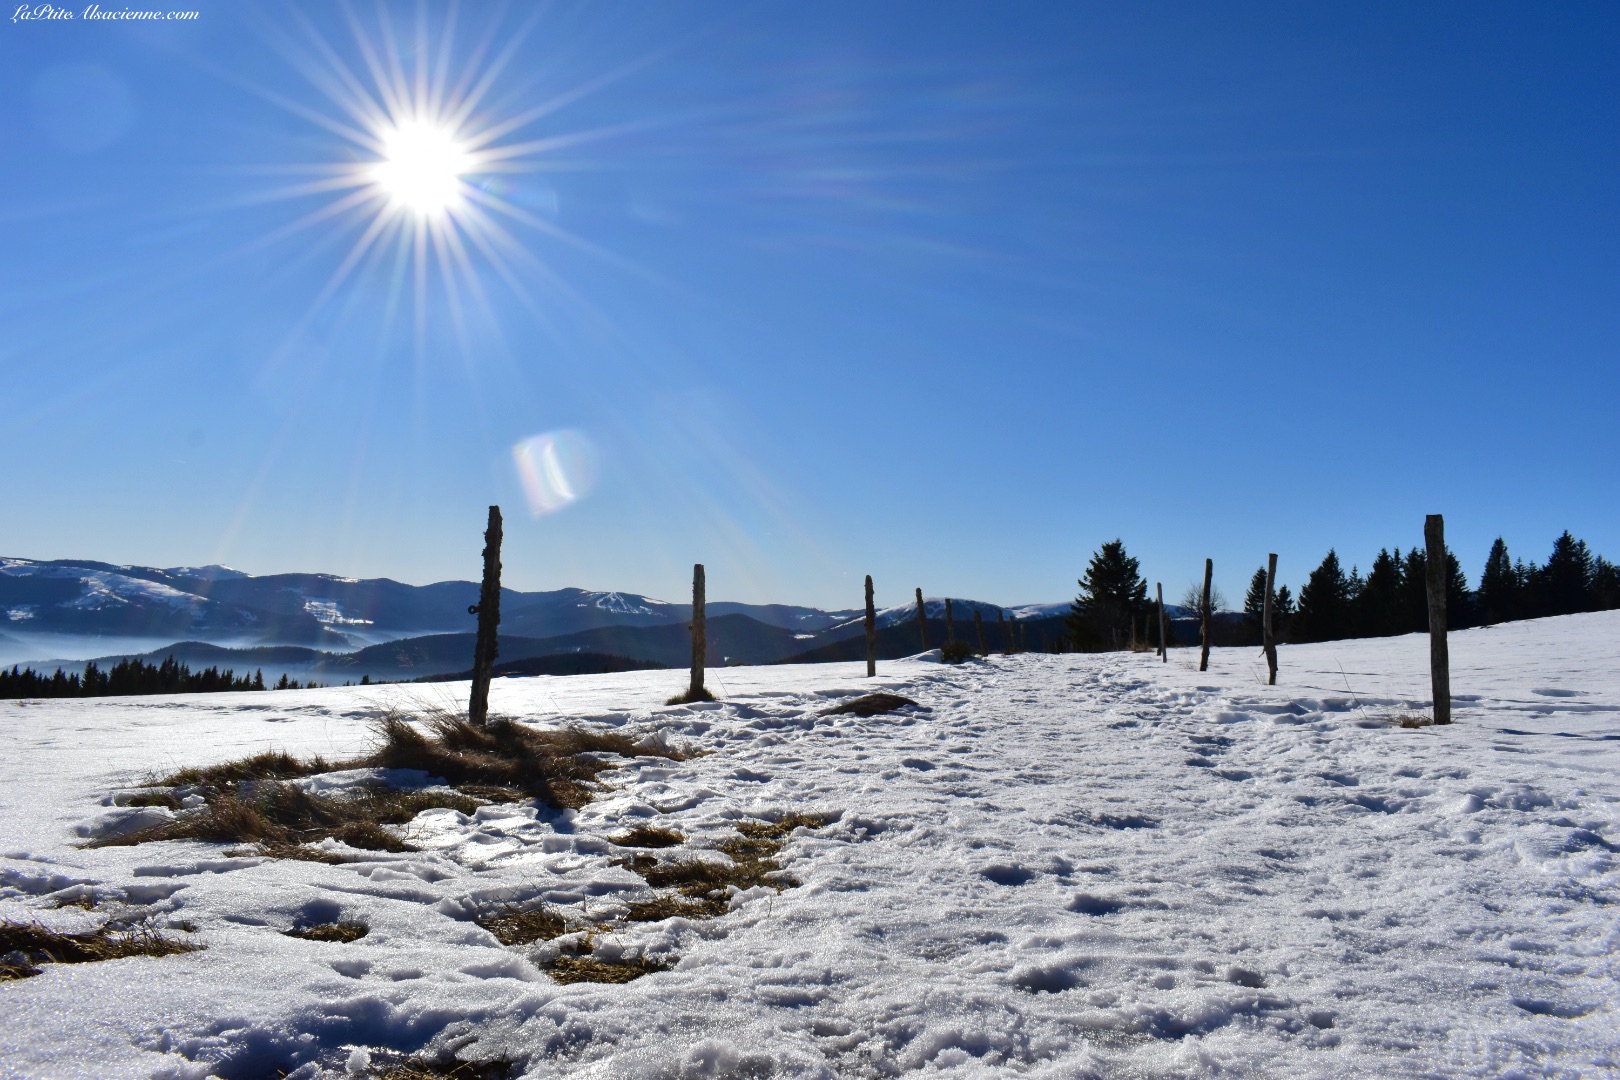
<point x="134" y="677"/>
<point x="1112" y="609"/>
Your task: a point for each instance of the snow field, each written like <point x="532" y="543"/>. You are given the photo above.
<point x="1067" y="866"/>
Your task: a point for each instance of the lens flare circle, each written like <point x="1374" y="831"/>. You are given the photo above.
<point x="422" y="166"/>
<point x="555" y="469"/>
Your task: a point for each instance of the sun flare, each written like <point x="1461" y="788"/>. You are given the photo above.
<point x="422" y="166"/>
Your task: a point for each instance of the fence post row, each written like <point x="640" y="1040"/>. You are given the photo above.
<point x="1268" y="641"/>
<point x="699" y="633"/>
<point x="871" y="632"/>
<point x="1434" y="538"/>
<point x="1207" y="614"/>
<point x="488" y="610"/>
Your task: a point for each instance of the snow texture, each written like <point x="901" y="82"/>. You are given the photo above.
<point x="1057" y="866"/>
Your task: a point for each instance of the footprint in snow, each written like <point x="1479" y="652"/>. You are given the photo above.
<point x="1008" y="874"/>
<point x="919" y="764"/>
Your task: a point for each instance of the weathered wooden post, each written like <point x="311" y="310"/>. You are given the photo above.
<point x="1434" y="538"/>
<point x="978" y="631"/>
<point x="488" y="610"/>
<point x="871" y="632"/>
<point x="950" y="623"/>
<point x="922" y="620"/>
<point x="1164" y="652"/>
<point x="1204" y="610"/>
<point x="1006" y="635"/>
<point x="1268" y="641"/>
<point x="1012" y="635"/>
<point x="700" y="632"/>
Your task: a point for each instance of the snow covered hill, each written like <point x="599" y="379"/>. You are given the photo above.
<point x="1058" y="866"/>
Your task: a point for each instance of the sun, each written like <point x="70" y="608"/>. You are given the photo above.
<point x="422" y="165"/>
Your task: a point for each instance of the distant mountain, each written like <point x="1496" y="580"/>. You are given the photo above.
<point x="337" y="629"/>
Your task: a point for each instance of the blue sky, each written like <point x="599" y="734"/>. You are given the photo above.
<point x="948" y="294"/>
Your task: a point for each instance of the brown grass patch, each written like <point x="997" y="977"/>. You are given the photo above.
<point x="687" y="697"/>
<point x="153" y="798"/>
<point x="1414" y="721"/>
<point x="424" y="1069"/>
<point x="279" y="817"/>
<point x="332" y="931"/>
<point x="649" y="836"/>
<point x="871" y="705"/>
<point x="573" y="969"/>
<point x="249" y="802"/>
<point x="521" y="926"/>
<point x="702" y="884"/>
<point x="25" y="946"/>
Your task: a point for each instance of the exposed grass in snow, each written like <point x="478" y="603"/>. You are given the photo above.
<point x="279" y="816"/>
<point x="342" y="932"/>
<point x="871" y="705"/>
<point x="649" y="836"/>
<point x="418" y="1069"/>
<point x="25" y="946"/>
<point x="689" y="698"/>
<point x="573" y="969"/>
<point x="522" y="926"/>
<point x="269" y="765"/>
<point x="703" y="883"/>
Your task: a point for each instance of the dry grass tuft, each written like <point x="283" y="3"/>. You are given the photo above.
<point x="871" y="705"/>
<point x="649" y="836"/>
<point x="1414" y="721"/>
<point x="249" y="802"/>
<point x="332" y="931"/>
<point x="280" y="816"/>
<point x="689" y="698"/>
<point x="573" y="969"/>
<point x="24" y="946"/>
<point x="703" y="884"/>
<point x="420" y="1069"/>
<point x="552" y="766"/>
<point x="270" y="765"/>
<point x="521" y="926"/>
<point x="154" y="798"/>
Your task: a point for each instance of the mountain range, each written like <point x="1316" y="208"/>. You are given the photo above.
<point x="338" y="629"/>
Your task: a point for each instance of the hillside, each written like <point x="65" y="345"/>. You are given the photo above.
<point x="1079" y="865"/>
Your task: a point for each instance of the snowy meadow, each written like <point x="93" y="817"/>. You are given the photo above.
<point x="1053" y="866"/>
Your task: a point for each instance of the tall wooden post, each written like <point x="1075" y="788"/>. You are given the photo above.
<point x="1012" y="634"/>
<point x="950" y="623"/>
<point x="1164" y="651"/>
<point x="1267" y="640"/>
<point x="700" y="635"/>
<point x="1208" y="615"/>
<point x="978" y="630"/>
<point x="488" y="610"/>
<point x="871" y="632"/>
<point x="922" y="620"/>
<point x="1006" y="636"/>
<point x="1434" y="538"/>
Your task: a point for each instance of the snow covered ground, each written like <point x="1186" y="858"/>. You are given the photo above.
<point x="1075" y="866"/>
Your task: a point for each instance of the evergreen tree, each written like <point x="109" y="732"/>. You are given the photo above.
<point x="1324" y="603"/>
<point x="1378" y="604"/>
<point x="1605" y="585"/>
<point x="1254" y="601"/>
<point x="1111" y="593"/>
<point x="1499" y="598"/>
<point x="1564" y="585"/>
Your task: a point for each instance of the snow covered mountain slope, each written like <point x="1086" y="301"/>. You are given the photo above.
<point x="1060" y="866"/>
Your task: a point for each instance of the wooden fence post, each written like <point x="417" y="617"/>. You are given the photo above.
<point x="700" y="632"/>
<point x="950" y="623"/>
<point x="1208" y="615"/>
<point x="978" y="630"/>
<point x="1268" y="641"/>
<point x="1164" y="651"/>
<point x="488" y="610"/>
<point x="922" y="620"/>
<point x="1006" y="636"/>
<point x="1012" y="635"/>
<point x="871" y="632"/>
<point x="1434" y="538"/>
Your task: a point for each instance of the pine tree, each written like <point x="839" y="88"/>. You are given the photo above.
<point x="1378" y="605"/>
<point x="1500" y="596"/>
<point x="1324" y="603"/>
<point x="1565" y="583"/>
<point x="1605" y="585"/>
<point x="1254" y="601"/>
<point x="1111" y="592"/>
